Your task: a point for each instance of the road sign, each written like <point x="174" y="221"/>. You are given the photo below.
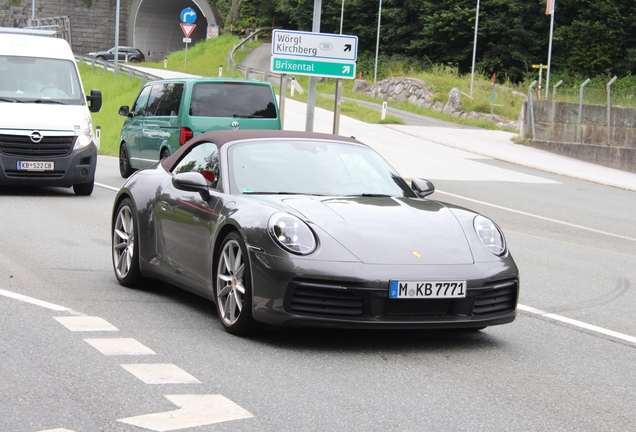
<point x="187" y="29"/>
<point x="313" y="67"/>
<point x="188" y="16"/>
<point x="187" y="40"/>
<point x="314" y="45"/>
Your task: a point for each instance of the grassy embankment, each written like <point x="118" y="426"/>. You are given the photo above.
<point x="205" y="58"/>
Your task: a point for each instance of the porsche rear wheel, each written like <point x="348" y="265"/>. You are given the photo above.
<point x="233" y="289"/>
<point x="125" y="246"/>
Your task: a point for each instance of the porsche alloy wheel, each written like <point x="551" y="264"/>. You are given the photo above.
<point x="125" y="248"/>
<point x="233" y="290"/>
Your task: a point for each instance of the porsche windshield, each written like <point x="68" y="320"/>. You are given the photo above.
<point x="312" y="168"/>
<point x="39" y="80"/>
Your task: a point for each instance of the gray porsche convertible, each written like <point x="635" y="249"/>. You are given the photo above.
<point x="297" y="228"/>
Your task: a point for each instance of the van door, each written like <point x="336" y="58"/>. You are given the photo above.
<point x="161" y="128"/>
<point x="132" y="132"/>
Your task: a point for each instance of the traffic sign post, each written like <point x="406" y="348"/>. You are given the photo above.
<point x="314" y="45"/>
<point x="315" y="54"/>
<point x="188" y="16"/>
<point x="309" y="67"/>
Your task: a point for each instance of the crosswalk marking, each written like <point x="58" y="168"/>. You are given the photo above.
<point x="119" y="346"/>
<point x="85" y="323"/>
<point x="158" y="373"/>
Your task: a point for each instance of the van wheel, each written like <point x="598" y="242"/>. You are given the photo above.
<point x="124" y="162"/>
<point x="164" y="154"/>
<point x="83" y="189"/>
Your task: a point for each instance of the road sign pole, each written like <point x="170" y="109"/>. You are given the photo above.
<point x="311" y="92"/>
<point x="336" y="108"/>
<point x="185" y="56"/>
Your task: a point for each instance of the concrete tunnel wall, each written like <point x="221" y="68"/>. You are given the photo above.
<point x="154" y="26"/>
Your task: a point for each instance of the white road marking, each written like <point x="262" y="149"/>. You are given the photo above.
<point x="57" y="430"/>
<point x="158" y="373"/>
<point x="580" y="324"/>
<point x="86" y="323"/>
<point x="119" y="346"/>
<point x="34" y="301"/>
<point x="538" y="217"/>
<point x="195" y="410"/>
<point x="102" y="185"/>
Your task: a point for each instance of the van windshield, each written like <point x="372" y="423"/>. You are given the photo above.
<point x="43" y="80"/>
<point x="237" y="100"/>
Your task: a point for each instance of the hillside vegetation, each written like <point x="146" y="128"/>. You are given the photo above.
<point x="205" y="57"/>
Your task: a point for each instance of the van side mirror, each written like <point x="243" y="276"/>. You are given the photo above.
<point x="94" y="100"/>
<point x="124" y="110"/>
<point x="422" y="187"/>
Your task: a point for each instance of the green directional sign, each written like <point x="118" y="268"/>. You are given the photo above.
<point x="313" y="67"/>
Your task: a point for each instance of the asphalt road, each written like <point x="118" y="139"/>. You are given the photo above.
<point x="574" y="241"/>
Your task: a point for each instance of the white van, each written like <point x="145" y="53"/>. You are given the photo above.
<point x="46" y="132"/>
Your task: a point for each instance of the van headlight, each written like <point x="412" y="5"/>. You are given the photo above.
<point x="85" y="137"/>
<point x="490" y="235"/>
<point x="292" y="234"/>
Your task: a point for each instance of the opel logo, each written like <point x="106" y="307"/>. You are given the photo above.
<point x="235" y="125"/>
<point x="36" y="137"/>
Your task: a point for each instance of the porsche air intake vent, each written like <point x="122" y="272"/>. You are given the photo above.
<point x="315" y="300"/>
<point x="501" y="298"/>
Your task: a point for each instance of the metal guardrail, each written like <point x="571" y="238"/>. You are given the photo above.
<point x="247" y="71"/>
<point x="123" y="68"/>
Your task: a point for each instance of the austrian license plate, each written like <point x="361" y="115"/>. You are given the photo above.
<point x="408" y="289"/>
<point x="36" y="166"/>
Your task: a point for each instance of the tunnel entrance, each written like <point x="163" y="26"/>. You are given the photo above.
<point x="154" y="26"/>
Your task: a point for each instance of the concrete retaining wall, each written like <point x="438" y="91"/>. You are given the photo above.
<point x="557" y="129"/>
<point x="92" y="28"/>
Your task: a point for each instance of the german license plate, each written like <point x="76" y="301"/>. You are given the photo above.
<point x="408" y="289"/>
<point x="36" y="166"/>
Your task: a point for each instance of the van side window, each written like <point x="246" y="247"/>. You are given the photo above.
<point x="170" y="100"/>
<point x="140" y="104"/>
<point x="203" y="158"/>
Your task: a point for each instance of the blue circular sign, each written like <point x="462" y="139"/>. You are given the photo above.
<point x="188" y="16"/>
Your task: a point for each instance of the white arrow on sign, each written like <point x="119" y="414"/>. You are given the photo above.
<point x="195" y="410"/>
<point x="346" y="70"/>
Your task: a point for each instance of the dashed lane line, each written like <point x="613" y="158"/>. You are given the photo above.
<point x="85" y="323"/>
<point x="159" y="373"/>
<point x="119" y="346"/>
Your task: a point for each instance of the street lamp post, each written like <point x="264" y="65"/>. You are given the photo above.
<point x="472" y="70"/>
<point x="341" y="15"/>
<point x="377" y="45"/>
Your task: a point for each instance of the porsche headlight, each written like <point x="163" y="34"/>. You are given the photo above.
<point x="292" y="234"/>
<point x="490" y="235"/>
<point x="85" y="136"/>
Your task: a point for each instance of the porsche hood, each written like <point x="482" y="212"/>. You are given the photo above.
<point x="384" y="230"/>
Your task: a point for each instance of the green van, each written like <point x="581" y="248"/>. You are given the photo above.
<point x="169" y="112"/>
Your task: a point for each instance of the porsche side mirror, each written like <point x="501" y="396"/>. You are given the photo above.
<point x="192" y="182"/>
<point x="422" y="187"/>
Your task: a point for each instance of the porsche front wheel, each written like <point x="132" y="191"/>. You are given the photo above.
<point x="125" y="246"/>
<point x="233" y="289"/>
